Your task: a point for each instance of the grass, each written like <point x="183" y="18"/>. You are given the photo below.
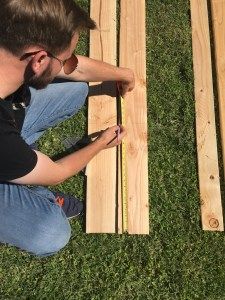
<point x="177" y="260"/>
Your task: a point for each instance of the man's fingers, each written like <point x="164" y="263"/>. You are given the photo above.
<point x="113" y="129"/>
<point x="113" y="135"/>
<point x="121" y="136"/>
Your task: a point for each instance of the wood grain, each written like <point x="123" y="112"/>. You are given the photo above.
<point x="133" y="55"/>
<point x="119" y="220"/>
<point x="209" y="184"/>
<point x="101" y="171"/>
<point x="218" y="21"/>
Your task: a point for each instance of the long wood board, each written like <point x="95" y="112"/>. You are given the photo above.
<point x="218" y="21"/>
<point x="133" y="55"/>
<point x="101" y="171"/>
<point x="209" y="183"/>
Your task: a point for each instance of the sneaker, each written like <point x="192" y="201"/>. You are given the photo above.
<point x="71" y="206"/>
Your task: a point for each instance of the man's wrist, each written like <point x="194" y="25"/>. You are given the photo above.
<point x="99" y="144"/>
<point x="124" y="74"/>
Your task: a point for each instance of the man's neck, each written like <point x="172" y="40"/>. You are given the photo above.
<point x="6" y="88"/>
<point x="11" y="74"/>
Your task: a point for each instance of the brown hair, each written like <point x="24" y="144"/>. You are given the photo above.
<point x="47" y="23"/>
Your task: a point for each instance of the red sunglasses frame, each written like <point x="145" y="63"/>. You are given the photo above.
<point x="69" y="65"/>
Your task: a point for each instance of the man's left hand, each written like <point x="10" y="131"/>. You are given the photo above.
<point x="128" y="83"/>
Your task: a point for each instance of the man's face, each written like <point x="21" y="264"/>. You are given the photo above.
<point x="52" y="69"/>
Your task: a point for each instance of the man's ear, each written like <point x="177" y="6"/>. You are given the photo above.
<point x="39" y="62"/>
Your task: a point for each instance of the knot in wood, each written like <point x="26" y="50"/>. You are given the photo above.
<point x="213" y="223"/>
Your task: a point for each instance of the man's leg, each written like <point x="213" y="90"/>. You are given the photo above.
<point x="29" y="217"/>
<point x="31" y="221"/>
<point x="50" y="106"/>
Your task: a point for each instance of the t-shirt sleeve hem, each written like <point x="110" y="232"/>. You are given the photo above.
<point x="29" y="167"/>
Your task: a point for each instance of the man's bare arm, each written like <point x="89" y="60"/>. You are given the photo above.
<point x="48" y="172"/>
<point x="91" y="70"/>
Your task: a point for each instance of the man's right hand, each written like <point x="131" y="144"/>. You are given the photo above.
<point x="48" y="172"/>
<point x="111" y="137"/>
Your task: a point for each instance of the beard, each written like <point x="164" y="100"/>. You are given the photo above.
<point x="40" y="82"/>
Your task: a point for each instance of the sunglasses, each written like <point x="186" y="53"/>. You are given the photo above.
<point x="69" y="65"/>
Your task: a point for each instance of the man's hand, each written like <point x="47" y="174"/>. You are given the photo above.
<point x="128" y="83"/>
<point x="111" y="137"/>
<point x="48" y="172"/>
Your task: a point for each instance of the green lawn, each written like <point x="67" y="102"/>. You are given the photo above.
<point x="177" y="260"/>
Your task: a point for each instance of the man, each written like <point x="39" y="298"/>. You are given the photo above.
<point x="37" y="40"/>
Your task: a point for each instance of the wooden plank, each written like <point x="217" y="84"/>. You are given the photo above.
<point x="101" y="171"/>
<point x="133" y="55"/>
<point x="211" y="209"/>
<point x="218" y="21"/>
<point x="119" y="220"/>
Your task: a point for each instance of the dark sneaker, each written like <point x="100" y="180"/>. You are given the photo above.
<point x="71" y="206"/>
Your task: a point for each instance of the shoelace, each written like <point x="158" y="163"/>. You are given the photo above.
<point x="60" y="200"/>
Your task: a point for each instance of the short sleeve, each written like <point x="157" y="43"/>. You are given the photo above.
<point x="17" y="159"/>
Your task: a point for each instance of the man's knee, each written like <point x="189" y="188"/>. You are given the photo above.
<point x="84" y="89"/>
<point x="51" y="236"/>
<point x="79" y="91"/>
